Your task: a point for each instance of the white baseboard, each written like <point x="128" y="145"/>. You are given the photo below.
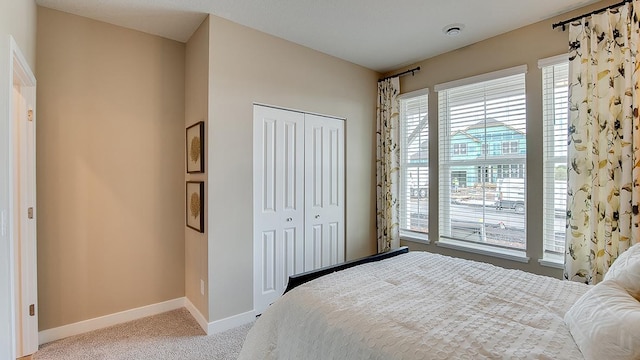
<point x="84" y="326"/>
<point x="219" y="325"/>
<point x="80" y="327"/>
<point x="230" y="322"/>
<point x="202" y="321"/>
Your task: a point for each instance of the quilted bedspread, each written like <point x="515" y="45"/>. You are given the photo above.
<point x="419" y="306"/>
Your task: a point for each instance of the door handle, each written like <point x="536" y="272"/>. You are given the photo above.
<point x="317" y="216"/>
<point x="289" y="219"/>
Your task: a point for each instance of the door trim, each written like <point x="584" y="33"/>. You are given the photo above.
<point x="299" y="111"/>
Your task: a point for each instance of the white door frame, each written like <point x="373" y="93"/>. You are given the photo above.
<point x="22" y="230"/>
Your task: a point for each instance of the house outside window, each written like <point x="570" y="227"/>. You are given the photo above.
<point x="487" y="114"/>
<point x="555" y="98"/>
<point x="414" y="165"/>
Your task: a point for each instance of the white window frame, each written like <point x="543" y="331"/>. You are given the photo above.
<point x="550" y="223"/>
<point x="445" y="162"/>
<point x="406" y="234"/>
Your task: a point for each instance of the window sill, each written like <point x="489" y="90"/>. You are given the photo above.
<point x="415" y="237"/>
<point x="556" y="262"/>
<point x="508" y="254"/>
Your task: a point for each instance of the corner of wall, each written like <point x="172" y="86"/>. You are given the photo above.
<point x="197" y="109"/>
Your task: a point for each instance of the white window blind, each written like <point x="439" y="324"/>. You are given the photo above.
<point x="414" y="164"/>
<point x="482" y="191"/>
<point x="555" y="96"/>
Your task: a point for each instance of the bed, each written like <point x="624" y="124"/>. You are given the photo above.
<point x="419" y="305"/>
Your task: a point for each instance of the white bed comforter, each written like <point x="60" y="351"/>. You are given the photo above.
<point x="419" y="306"/>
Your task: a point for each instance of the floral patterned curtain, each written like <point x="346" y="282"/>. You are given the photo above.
<point x="388" y="164"/>
<point x="604" y="140"/>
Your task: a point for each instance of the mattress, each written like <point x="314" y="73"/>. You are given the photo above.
<point x="419" y="306"/>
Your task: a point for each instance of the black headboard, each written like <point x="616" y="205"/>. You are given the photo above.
<point x="299" y="279"/>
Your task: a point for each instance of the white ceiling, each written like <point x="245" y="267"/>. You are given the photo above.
<point x="378" y="34"/>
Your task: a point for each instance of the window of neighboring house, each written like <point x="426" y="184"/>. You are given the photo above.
<point x="510" y="147"/>
<point x="511" y="171"/>
<point x="487" y="214"/>
<point x="555" y="98"/>
<point x="459" y="149"/>
<point x="414" y="165"/>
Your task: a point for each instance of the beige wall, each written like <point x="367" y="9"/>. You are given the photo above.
<point x="18" y="19"/>
<point x="523" y="46"/>
<point x="248" y="66"/>
<point x="113" y="105"/>
<point x="110" y="165"/>
<point x="197" y="109"/>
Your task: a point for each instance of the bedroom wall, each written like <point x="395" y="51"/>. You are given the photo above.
<point x="248" y="66"/>
<point x="18" y="19"/>
<point x="197" y="109"/>
<point x="522" y="46"/>
<point x="110" y="165"/>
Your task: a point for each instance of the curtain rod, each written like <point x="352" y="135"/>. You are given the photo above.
<point x="565" y="22"/>
<point x="410" y="71"/>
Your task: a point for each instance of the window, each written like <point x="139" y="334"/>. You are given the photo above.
<point x="511" y="171"/>
<point x="555" y="97"/>
<point x="459" y="149"/>
<point x="482" y="195"/>
<point x="510" y="147"/>
<point x="414" y="165"/>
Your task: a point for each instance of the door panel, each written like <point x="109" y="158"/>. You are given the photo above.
<point x="291" y="167"/>
<point x="335" y="164"/>
<point x="289" y="255"/>
<point x="278" y="201"/>
<point x="268" y="262"/>
<point x="316" y="253"/>
<point x="268" y="166"/>
<point x="324" y="176"/>
<point x="334" y="243"/>
<point x="315" y="150"/>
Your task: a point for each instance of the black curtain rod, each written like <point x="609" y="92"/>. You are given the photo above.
<point x="565" y="22"/>
<point x="410" y="71"/>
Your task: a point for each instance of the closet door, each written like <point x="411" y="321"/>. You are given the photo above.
<point x="324" y="191"/>
<point x="278" y="190"/>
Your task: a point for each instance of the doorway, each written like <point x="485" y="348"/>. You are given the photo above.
<point x="22" y="217"/>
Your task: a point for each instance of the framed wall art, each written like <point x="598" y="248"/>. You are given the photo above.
<point x="195" y="205"/>
<point x="195" y="148"/>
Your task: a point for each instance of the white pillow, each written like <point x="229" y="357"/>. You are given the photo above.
<point x="625" y="270"/>
<point x="605" y="323"/>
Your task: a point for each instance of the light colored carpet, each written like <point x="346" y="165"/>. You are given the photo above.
<point x="171" y="335"/>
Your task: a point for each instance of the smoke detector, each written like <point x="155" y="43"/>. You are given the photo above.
<point x="453" y="29"/>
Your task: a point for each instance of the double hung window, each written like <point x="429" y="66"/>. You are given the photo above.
<point x="482" y="190"/>
<point x="414" y="165"/>
<point x="555" y="97"/>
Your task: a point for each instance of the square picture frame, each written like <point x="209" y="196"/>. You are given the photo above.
<point x="195" y="148"/>
<point x="194" y="196"/>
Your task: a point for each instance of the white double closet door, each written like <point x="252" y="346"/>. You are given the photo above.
<point x="298" y="192"/>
